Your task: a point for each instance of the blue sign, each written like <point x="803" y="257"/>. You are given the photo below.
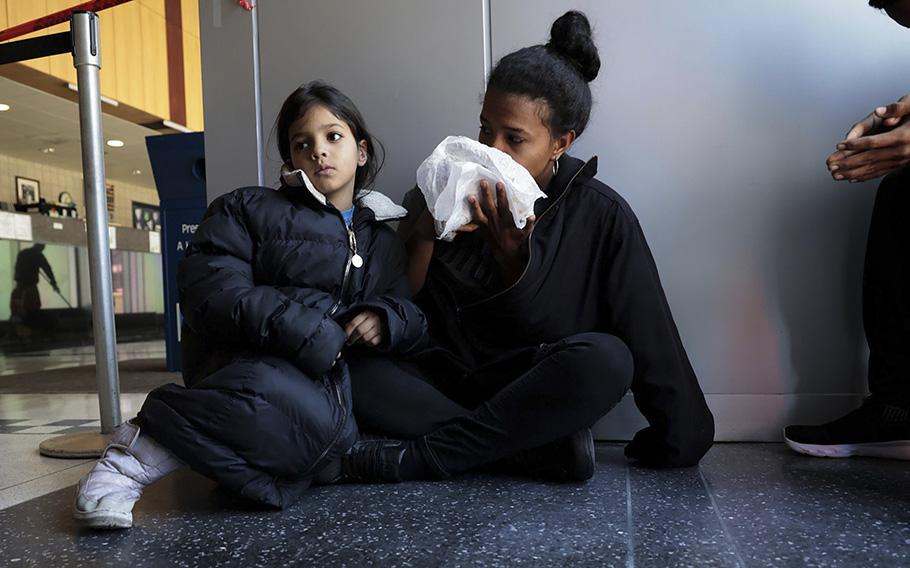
<point x="178" y="164"/>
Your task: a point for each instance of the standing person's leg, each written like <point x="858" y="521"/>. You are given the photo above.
<point x="881" y="426"/>
<point x="573" y="385"/>
<point x="886" y="293"/>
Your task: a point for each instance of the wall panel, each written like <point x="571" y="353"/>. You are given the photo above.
<point x="62" y="65"/>
<point x="192" y="71"/>
<point x="19" y="12"/>
<point x="714" y="121"/>
<point x="227" y="89"/>
<point x="127" y="54"/>
<point x="415" y="70"/>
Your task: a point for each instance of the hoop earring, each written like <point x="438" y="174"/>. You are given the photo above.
<point x="555" y="167"/>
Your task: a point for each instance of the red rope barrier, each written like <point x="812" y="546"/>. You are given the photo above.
<point x="58" y="18"/>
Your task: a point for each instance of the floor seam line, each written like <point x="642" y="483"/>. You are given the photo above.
<point x="43" y="476"/>
<point x="630" y="543"/>
<point x="723" y="526"/>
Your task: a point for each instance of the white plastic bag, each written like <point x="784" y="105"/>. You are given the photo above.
<point x="453" y="172"/>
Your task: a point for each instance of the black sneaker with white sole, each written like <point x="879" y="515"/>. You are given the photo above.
<point x="874" y="429"/>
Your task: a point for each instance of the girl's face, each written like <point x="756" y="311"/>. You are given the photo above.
<point x="517" y="125"/>
<point x="323" y="146"/>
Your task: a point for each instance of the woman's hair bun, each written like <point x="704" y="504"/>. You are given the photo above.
<point x="570" y="37"/>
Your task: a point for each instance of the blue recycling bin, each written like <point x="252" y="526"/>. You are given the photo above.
<point x="178" y="164"/>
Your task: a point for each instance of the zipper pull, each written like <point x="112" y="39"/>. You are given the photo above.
<point x="356" y="259"/>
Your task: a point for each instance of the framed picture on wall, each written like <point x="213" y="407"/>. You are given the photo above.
<point x="146" y="217"/>
<point x="27" y="190"/>
<point x="110" y="201"/>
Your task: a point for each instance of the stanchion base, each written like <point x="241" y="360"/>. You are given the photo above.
<point x="83" y="445"/>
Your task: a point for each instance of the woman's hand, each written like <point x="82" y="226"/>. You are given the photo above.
<point x="494" y="220"/>
<point x="365" y="329"/>
<point x="875" y="146"/>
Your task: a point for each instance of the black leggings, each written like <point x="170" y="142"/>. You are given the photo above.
<point x="463" y="421"/>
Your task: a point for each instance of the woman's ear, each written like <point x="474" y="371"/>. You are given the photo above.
<point x="362" y="153"/>
<point x="561" y="144"/>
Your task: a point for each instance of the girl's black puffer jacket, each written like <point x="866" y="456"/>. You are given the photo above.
<point x="267" y="284"/>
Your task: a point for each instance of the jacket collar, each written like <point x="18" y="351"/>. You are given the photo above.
<point x="568" y="168"/>
<point x="383" y="208"/>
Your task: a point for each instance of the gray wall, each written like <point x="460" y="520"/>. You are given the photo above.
<point x="232" y="152"/>
<point x="712" y="118"/>
<point x="414" y="83"/>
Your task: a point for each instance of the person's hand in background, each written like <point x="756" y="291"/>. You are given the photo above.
<point x="875" y="146"/>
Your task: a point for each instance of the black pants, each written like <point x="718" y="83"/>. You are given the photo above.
<point x="886" y="291"/>
<point x="467" y="420"/>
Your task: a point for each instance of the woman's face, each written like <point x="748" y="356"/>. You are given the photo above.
<point x="517" y="125"/>
<point x="323" y="146"/>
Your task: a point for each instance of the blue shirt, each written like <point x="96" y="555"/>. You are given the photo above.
<point x="348" y="215"/>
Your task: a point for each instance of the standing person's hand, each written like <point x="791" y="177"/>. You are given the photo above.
<point x="365" y="329"/>
<point x="494" y="220"/>
<point x="875" y="146"/>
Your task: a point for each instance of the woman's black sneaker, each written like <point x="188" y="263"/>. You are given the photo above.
<point x="874" y="429"/>
<point x="569" y="459"/>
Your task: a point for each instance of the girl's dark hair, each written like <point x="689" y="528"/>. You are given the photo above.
<point x="318" y="93"/>
<point x="557" y="73"/>
<point x="880" y="4"/>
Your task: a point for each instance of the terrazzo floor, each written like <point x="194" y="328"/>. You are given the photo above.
<point x="746" y="505"/>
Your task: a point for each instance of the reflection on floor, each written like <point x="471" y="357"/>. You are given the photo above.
<point x="26" y="420"/>
<point x="31" y="415"/>
<point x="29" y="362"/>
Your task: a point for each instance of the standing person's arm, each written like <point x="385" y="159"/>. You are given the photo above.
<point x="45" y="265"/>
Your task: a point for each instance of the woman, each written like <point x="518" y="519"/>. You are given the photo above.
<point x="538" y="332"/>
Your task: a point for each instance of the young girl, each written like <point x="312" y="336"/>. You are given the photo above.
<point x="278" y="289"/>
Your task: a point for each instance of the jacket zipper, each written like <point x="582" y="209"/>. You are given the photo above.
<point x="458" y="309"/>
<point x="352" y="250"/>
<point x="338" y="431"/>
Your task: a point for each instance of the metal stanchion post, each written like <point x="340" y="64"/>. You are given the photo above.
<point x="87" y="59"/>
